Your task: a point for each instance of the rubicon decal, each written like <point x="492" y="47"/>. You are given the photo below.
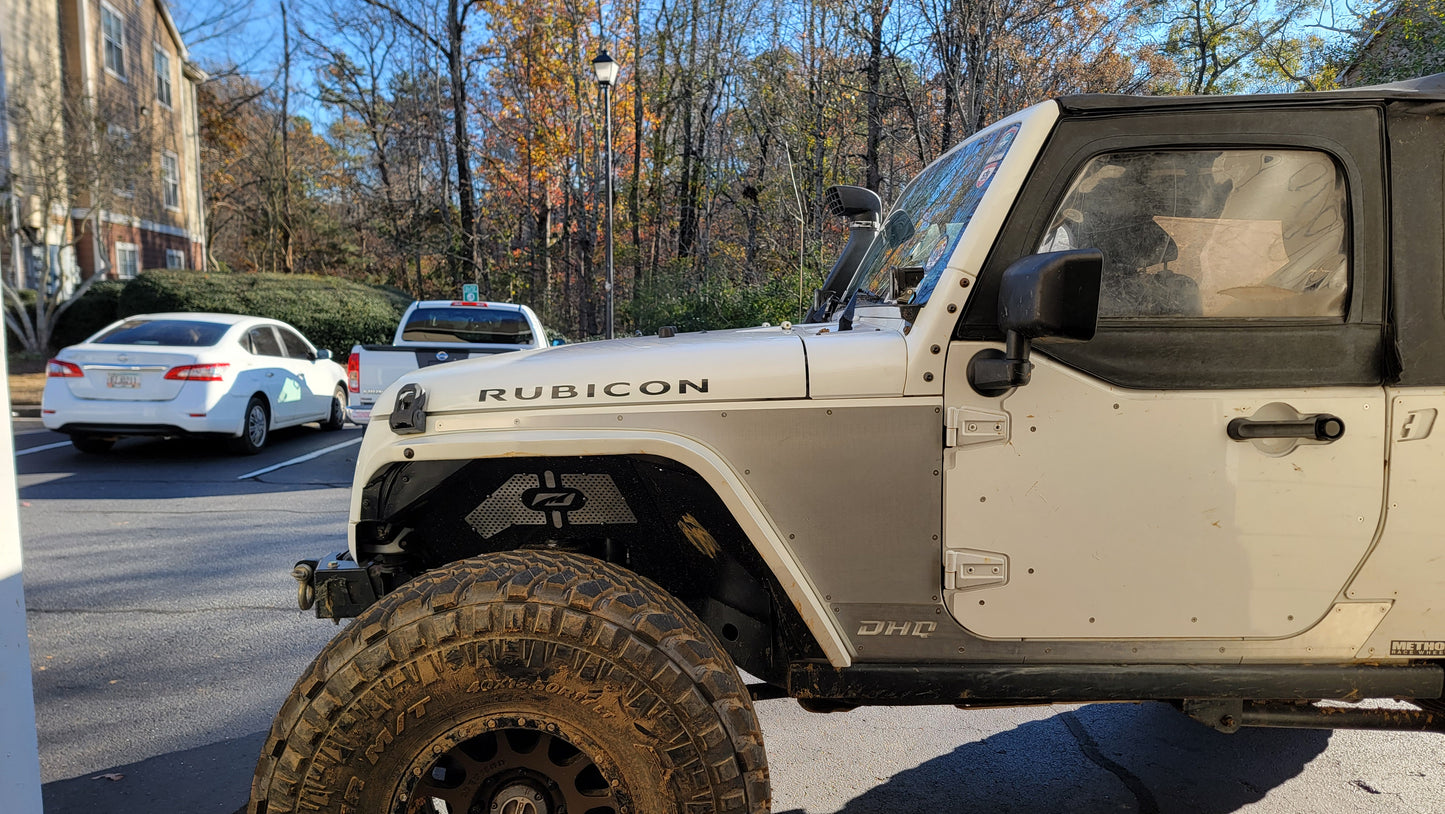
<point x="592" y="390"/>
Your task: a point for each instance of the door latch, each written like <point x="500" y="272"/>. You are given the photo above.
<point x="408" y="417"/>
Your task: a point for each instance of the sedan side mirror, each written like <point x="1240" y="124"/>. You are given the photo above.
<point x="1053" y="295"/>
<point x="322" y="355"/>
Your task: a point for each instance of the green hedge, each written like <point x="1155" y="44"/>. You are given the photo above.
<point x="95" y="309"/>
<point x="332" y="312"/>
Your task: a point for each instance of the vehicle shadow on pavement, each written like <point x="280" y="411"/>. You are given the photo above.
<point x="211" y="778"/>
<point x="1145" y="758"/>
<point x="1152" y="761"/>
<point x="165" y="468"/>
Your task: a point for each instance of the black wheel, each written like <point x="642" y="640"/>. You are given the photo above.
<point x="255" y="428"/>
<point x="91" y="444"/>
<point x="337" y="419"/>
<point x="538" y="682"/>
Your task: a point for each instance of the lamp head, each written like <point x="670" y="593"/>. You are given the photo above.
<point x="604" y="68"/>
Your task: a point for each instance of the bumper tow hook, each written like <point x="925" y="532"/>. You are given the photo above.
<point x="305" y="589"/>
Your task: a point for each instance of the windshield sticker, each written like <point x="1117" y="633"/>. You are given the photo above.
<point x="1005" y="140"/>
<point x="985" y="176"/>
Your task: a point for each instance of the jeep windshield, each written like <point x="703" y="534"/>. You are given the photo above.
<point x="919" y="235"/>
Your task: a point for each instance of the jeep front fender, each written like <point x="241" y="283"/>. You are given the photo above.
<point x="707" y="463"/>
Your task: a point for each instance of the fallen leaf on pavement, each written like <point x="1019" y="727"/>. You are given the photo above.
<point x="113" y="776"/>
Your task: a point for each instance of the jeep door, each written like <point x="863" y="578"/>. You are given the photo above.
<point x="1211" y="465"/>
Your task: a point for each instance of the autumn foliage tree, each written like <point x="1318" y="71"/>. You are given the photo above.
<point x="463" y="140"/>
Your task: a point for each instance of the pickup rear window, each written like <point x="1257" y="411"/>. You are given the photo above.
<point x="492" y="326"/>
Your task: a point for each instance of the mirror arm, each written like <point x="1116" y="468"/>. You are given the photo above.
<point x="992" y="373"/>
<point x="1016" y="357"/>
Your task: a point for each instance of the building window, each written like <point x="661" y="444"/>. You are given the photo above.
<point x="127" y="261"/>
<point x="112" y="29"/>
<point x="175" y="259"/>
<point x="171" y="180"/>
<point x="121" y="159"/>
<point x="163" y="77"/>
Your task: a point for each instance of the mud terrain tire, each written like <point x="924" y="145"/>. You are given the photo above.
<point x="549" y="676"/>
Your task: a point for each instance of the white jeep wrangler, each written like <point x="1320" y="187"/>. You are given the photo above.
<point x="934" y="492"/>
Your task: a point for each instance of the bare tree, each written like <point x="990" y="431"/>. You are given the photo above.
<point x="71" y="163"/>
<point x="443" y="29"/>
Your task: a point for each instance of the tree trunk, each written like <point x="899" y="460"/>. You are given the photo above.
<point x="466" y="189"/>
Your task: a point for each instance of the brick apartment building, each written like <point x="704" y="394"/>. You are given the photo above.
<point x="127" y="88"/>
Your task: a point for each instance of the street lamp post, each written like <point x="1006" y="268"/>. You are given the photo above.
<point x="606" y="71"/>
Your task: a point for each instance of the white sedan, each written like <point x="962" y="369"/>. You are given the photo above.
<point x="218" y="375"/>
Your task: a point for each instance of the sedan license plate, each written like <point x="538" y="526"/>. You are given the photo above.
<point x="123" y="380"/>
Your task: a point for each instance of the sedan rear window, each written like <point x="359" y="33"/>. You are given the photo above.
<point x="467" y="324"/>
<point x="173" y="333"/>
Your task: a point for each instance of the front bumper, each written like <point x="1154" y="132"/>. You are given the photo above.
<point x="339" y="588"/>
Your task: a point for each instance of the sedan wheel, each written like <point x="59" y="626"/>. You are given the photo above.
<point x="337" y="419"/>
<point x="255" y="429"/>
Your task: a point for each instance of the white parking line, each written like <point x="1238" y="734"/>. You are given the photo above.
<point x="302" y="459"/>
<point x="18" y="453"/>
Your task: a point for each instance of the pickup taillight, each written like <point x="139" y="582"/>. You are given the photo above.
<point x="353" y="373"/>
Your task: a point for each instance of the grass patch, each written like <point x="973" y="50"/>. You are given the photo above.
<point x="26" y="379"/>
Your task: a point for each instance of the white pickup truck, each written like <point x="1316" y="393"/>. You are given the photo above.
<point x="433" y="332"/>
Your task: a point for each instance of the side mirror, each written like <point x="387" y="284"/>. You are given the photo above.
<point x="322" y="355"/>
<point x="1054" y="295"/>
<point x="557" y="342"/>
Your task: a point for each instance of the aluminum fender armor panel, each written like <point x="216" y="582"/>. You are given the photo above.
<point x="747" y="364"/>
<point x="866" y="361"/>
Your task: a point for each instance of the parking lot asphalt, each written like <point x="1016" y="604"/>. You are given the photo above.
<point x="164" y="635"/>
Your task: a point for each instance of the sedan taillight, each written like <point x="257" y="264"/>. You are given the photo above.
<point x="353" y="373"/>
<point x="198" y="373"/>
<point x="56" y="369"/>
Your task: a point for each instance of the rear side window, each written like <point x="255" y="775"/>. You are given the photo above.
<point x="295" y="346"/>
<point x="163" y="332"/>
<point x="1211" y="233"/>
<point x="467" y="324"/>
<point x="262" y="341"/>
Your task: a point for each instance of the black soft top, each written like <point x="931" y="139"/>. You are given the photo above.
<point x="1423" y="89"/>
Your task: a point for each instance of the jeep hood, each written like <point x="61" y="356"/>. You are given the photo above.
<point x="745" y="364"/>
<point x="735" y="365"/>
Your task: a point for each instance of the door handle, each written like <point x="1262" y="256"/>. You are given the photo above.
<point x="1320" y="427"/>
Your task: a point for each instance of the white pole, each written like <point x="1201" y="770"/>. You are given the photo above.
<point x="19" y="748"/>
<point x="611" y="274"/>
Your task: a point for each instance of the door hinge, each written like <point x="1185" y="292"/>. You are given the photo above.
<point x="965" y="426"/>
<point x="965" y="569"/>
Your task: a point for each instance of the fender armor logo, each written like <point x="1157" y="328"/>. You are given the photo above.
<point x="561" y="499"/>
<point x="552" y="500"/>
